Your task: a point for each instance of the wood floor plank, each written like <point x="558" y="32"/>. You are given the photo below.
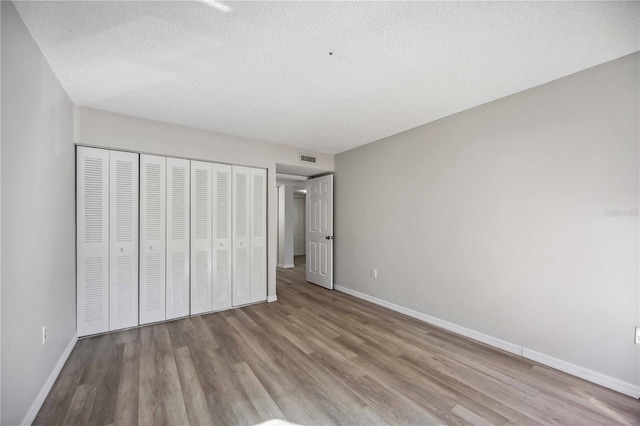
<point x="150" y="404"/>
<point x="81" y="405"/>
<point x="127" y="403"/>
<point x="315" y="357"/>
<point x="194" y="398"/>
<point x="107" y="383"/>
<point x="260" y="398"/>
<point x="167" y="385"/>
<point x="231" y="392"/>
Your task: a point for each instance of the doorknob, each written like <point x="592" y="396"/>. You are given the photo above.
<point x="152" y="248"/>
<point x="329" y="237"/>
<point x="123" y="250"/>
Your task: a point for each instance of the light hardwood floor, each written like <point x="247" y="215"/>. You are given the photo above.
<point x="315" y="357"/>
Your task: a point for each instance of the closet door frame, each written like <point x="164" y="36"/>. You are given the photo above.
<point x="125" y="245"/>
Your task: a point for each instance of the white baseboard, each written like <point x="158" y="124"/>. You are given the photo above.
<point x="46" y="388"/>
<point x="484" y="338"/>
<point x="584" y="373"/>
<point x="286" y="265"/>
<point x="273" y="298"/>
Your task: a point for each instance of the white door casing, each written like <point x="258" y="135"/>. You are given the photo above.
<point x="178" y="235"/>
<point x="153" y="195"/>
<point x="221" y="276"/>
<point x="92" y="240"/>
<point x="201" y="237"/>
<point x="123" y="241"/>
<point x="319" y="210"/>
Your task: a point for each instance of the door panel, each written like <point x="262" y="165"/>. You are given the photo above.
<point x="221" y="236"/>
<point x="320" y="231"/>
<point x="258" y="235"/>
<point x="178" y="237"/>
<point x="153" y="196"/>
<point x="201" y="221"/>
<point x="241" y="187"/>
<point x="123" y="217"/>
<point x="92" y="240"/>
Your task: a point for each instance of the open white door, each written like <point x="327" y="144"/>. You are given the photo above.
<point x="320" y="231"/>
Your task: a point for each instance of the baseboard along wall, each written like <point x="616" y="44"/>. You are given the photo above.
<point x="573" y="369"/>
<point x="46" y="388"/>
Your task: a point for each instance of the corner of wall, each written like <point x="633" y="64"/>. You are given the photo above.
<point x="30" y="416"/>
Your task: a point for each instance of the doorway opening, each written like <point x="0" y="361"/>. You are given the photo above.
<point x="305" y="223"/>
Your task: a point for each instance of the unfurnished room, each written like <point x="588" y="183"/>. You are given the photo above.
<point x="285" y="213"/>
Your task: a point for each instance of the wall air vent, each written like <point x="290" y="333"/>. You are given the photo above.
<point x="306" y="158"/>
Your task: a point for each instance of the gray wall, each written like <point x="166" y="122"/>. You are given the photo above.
<point x="496" y="218"/>
<point x="38" y="218"/>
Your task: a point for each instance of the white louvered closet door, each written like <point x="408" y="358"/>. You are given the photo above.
<point x="241" y="244"/>
<point x="153" y="195"/>
<point x="178" y="237"/>
<point x="258" y="235"/>
<point x="201" y="235"/>
<point x="221" y="236"/>
<point x="92" y="239"/>
<point x="123" y="218"/>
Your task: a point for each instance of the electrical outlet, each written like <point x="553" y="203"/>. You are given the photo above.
<point x="45" y="334"/>
<point x="374" y="273"/>
<point x="637" y="335"/>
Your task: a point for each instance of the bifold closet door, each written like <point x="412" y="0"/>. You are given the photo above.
<point x="241" y="235"/>
<point x="258" y="235"/>
<point x="221" y="276"/>
<point x="201" y="236"/>
<point x="178" y="234"/>
<point x="153" y="196"/>
<point x="92" y="240"/>
<point x="123" y="226"/>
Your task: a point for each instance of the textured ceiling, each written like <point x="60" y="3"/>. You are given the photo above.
<point x="263" y="70"/>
